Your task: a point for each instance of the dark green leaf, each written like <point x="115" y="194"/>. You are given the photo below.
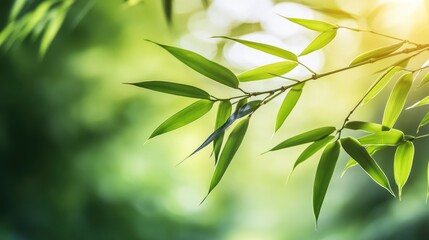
<point x="397" y="99"/>
<point x="312" y="24"/>
<point x="310" y="136"/>
<point x="202" y="65"/>
<point x="364" y="126"/>
<point x="424" y="121"/>
<point x="184" y="117"/>
<point x="320" y="41"/>
<point x="223" y="113"/>
<point x="312" y="149"/>
<point x="267" y="71"/>
<point x="359" y="153"/>
<point x="376" y="53"/>
<point x="168" y="9"/>
<point x="389" y="138"/>
<point x="324" y="172"/>
<point x="371" y="151"/>
<point x="276" y="51"/>
<point x="402" y="164"/>
<point x="288" y="104"/>
<point x="423" y="102"/>
<point x="240" y="103"/>
<point x="380" y="83"/>
<point x="174" y="88"/>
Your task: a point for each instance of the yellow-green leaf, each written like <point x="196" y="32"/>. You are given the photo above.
<point x="288" y="104"/>
<point x="424" y="121"/>
<point x="320" y="41"/>
<point x="364" y="126"/>
<point x="424" y="101"/>
<point x="387" y="138"/>
<point x="402" y="164"/>
<point x="202" y="65"/>
<point x="223" y="113"/>
<point x="312" y="149"/>
<point x="184" y="117"/>
<point x="267" y="71"/>
<point x="16" y="9"/>
<point x="324" y="172"/>
<point x="315" y="25"/>
<point x="359" y="153"/>
<point x="380" y="83"/>
<point x="174" y="88"/>
<point x="397" y="99"/>
<point x="376" y="53"/>
<point x="425" y="80"/>
<point x="310" y="136"/>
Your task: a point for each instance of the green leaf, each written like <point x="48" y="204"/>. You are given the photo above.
<point x="228" y="152"/>
<point x="424" y="121"/>
<point x="424" y="101"/>
<point x="312" y="149"/>
<point x="320" y="41"/>
<point x="168" y="9"/>
<point x="184" y="117"/>
<point x="223" y="113"/>
<point x="371" y="151"/>
<point x="174" y="88"/>
<point x="333" y="12"/>
<point x="310" y="136"/>
<point x="380" y="83"/>
<point x="397" y="99"/>
<point x="376" y="53"/>
<point x="312" y="24"/>
<point x="16" y="9"/>
<point x="387" y="138"/>
<point x="288" y="104"/>
<point x="324" y="173"/>
<point x="276" y="51"/>
<point x="402" y="164"/>
<point x="202" y="65"/>
<point x="267" y="71"/>
<point x="240" y="103"/>
<point x="425" y="80"/>
<point x="364" y="126"/>
<point x="359" y="153"/>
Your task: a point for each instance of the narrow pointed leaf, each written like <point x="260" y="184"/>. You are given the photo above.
<point x="423" y="102"/>
<point x="397" y="99"/>
<point x="320" y="41"/>
<point x="168" y="9"/>
<point x="174" y="88"/>
<point x="424" y="121"/>
<point x="380" y="83"/>
<point x="324" y="173"/>
<point x="273" y="50"/>
<point x="223" y="113"/>
<point x="387" y="138"/>
<point x="310" y="136"/>
<point x="402" y="164"/>
<point x="425" y="80"/>
<point x="376" y="53"/>
<point x="312" y="24"/>
<point x="312" y="149"/>
<point x="267" y="71"/>
<point x="371" y="151"/>
<point x="364" y="126"/>
<point x="359" y="153"/>
<point x="184" y="117"/>
<point x="228" y="152"/>
<point x="16" y="9"/>
<point x="288" y="104"/>
<point x="202" y="65"/>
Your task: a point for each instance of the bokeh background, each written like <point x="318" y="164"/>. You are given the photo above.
<point x="73" y="159"/>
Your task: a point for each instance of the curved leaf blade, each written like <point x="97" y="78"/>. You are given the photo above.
<point x="364" y="126"/>
<point x="359" y="153"/>
<point x="423" y="102"/>
<point x="315" y="25"/>
<point x="371" y="151"/>
<point x="386" y="138"/>
<point x="310" y="136"/>
<point x="273" y="50"/>
<point x="425" y="80"/>
<point x="184" y="117"/>
<point x="324" y="173"/>
<point x="223" y="113"/>
<point x="312" y="149"/>
<point x="267" y="71"/>
<point x="424" y="121"/>
<point x="288" y="104"/>
<point x="376" y="53"/>
<point x="402" y="164"/>
<point x="380" y="83"/>
<point x="174" y="89"/>
<point x="202" y="65"/>
<point x="396" y="101"/>
<point x="320" y="41"/>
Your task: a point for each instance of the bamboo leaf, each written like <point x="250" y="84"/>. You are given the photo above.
<point x="273" y="50"/>
<point x="173" y="88"/>
<point x="312" y="149"/>
<point x="315" y="25"/>
<point x="364" y="126"/>
<point x="168" y="9"/>
<point x="376" y="53"/>
<point x="397" y="99"/>
<point x="380" y="83"/>
<point x="424" y="121"/>
<point x="240" y="103"/>
<point x="359" y="153"/>
<point x="333" y="12"/>
<point x="402" y="164"/>
<point x="288" y="104"/>
<point x="387" y="138"/>
<point x="267" y="71"/>
<point x="310" y="136"/>
<point x="425" y="80"/>
<point x="371" y="151"/>
<point x="423" y="102"/>
<point x="228" y="152"/>
<point x="184" y="117"/>
<point x="320" y="41"/>
<point x="324" y="173"/>
<point x="18" y="5"/>
<point x="223" y="113"/>
<point x="202" y="65"/>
